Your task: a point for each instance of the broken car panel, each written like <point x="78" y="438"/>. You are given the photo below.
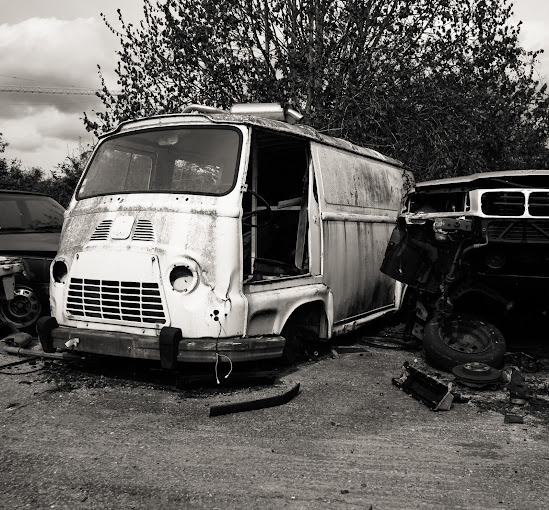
<point x="213" y="233"/>
<point x="474" y="251"/>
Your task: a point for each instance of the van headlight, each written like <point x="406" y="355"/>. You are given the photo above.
<point x="184" y="278"/>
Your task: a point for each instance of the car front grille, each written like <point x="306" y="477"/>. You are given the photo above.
<point x="503" y="203"/>
<point x="522" y="231"/>
<point x="137" y="302"/>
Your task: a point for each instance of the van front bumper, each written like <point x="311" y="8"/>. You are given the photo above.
<point x="195" y="350"/>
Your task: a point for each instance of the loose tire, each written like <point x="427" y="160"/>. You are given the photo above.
<point x="461" y="338"/>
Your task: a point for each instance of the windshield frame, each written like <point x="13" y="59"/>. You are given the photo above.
<point x="156" y="129"/>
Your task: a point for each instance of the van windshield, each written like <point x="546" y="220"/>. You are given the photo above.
<point x="196" y="160"/>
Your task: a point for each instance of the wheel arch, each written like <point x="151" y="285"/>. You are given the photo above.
<point x="305" y="307"/>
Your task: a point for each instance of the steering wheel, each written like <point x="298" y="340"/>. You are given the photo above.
<point x="248" y="215"/>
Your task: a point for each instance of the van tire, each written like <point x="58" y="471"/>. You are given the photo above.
<point x="293" y="347"/>
<point x="462" y="338"/>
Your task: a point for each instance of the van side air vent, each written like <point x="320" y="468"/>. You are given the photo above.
<point x="143" y="231"/>
<point x="101" y="232"/>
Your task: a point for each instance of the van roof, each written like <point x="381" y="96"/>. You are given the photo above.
<point x="300" y="130"/>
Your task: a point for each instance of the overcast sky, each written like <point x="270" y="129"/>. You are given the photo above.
<point x="59" y="43"/>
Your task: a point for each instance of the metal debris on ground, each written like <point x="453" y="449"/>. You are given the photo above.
<point x="255" y="403"/>
<point x="518" y="390"/>
<point x="525" y="362"/>
<point x="513" y="418"/>
<point x="425" y="388"/>
<point x="478" y="375"/>
<point x="390" y="342"/>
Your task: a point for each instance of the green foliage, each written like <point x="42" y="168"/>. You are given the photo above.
<point x="443" y="85"/>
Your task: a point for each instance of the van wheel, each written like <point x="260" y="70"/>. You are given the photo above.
<point x="461" y="338"/>
<point x="293" y="348"/>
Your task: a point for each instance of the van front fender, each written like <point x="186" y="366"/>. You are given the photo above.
<point x="270" y="309"/>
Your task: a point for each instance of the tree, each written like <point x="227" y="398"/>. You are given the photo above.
<point x="60" y="185"/>
<point x="65" y="176"/>
<point x="443" y="85"/>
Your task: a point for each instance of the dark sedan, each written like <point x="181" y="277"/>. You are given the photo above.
<point x="30" y="226"/>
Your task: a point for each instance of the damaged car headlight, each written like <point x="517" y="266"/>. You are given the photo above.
<point x="184" y="278"/>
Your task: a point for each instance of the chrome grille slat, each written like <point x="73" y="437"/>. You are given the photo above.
<point x="137" y="302"/>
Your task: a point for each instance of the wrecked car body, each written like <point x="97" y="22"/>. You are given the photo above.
<point x="30" y="226"/>
<point x="474" y="253"/>
<point x="213" y="235"/>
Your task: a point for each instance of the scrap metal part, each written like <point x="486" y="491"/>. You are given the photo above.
<point x="477" y="375"/>
<point x="425" y="388"/>
<point x="518" y="389"/>
<point x="256" y="403"/>
<point x="9" y="267"/>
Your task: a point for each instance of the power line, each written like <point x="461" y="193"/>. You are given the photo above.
<point x="52" y="90"/>
<point x="40" y="81"/>
<point x="47" y="90"/>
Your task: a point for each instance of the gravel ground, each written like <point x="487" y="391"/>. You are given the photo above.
<point x="114" y="434"/>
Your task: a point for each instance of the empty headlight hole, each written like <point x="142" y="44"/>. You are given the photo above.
<point x="59" y="271"/>
<point x="183" y="279"/>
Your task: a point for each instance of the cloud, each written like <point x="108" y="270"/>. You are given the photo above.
<point x="54" y="52"/>
<point x="42" y="129"/>
<point x="44" y="137"/>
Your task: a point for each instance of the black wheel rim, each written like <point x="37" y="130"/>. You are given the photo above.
<point x="466" y="335"/>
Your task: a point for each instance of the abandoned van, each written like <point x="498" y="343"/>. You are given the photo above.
<point x="213" y="233"/>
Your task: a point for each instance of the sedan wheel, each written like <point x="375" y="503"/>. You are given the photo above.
<point x="23" y="310"/>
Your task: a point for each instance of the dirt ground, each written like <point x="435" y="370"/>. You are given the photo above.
<point x="107" y="435"/>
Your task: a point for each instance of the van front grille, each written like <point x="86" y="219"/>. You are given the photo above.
<point x="137" y="302"/>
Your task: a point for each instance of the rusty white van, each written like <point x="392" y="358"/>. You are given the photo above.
<point x="222" y="233"/>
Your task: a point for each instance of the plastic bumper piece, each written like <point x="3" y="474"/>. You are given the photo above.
<point x="198" y="350"/>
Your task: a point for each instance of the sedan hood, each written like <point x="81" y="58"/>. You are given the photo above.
<point x="37" y="243"/>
